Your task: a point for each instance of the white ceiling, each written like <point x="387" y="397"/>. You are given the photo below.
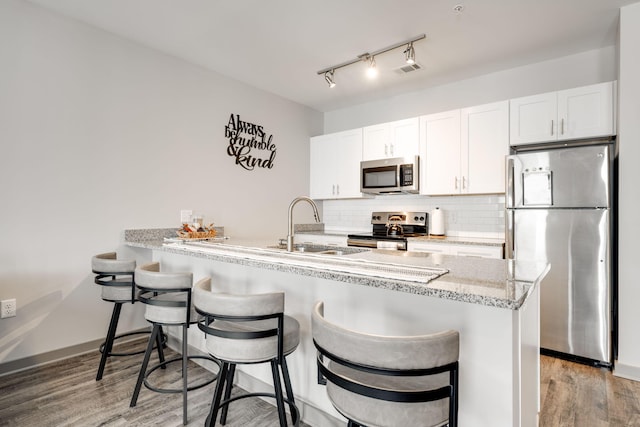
<point x="279" y="45"/>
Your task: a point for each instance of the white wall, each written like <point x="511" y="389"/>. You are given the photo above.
<point x="98" y="135"/>
<point x="585" y="68"/>
<point x="629" y="153"/>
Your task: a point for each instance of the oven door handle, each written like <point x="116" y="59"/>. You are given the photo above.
<point x="362" y="243"/>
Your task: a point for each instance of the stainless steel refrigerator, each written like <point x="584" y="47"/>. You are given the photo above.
<point x="559" y="205"/>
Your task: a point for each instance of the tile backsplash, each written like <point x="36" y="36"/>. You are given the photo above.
<point x="479" y="216"/>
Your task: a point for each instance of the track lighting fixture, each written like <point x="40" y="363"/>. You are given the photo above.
<point x="410" y="54"/>
<point x="328" y="77"/>
<point x="410" y="58"/>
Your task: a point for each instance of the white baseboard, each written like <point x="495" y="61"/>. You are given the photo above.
<point x="53" y="356"/>
<point x="629" y="372"/>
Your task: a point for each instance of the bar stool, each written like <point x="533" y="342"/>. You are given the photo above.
<point x="116" y="276"/>
<point x="167" y="297"/>
<point x="247" y="329"/>
<point x="388" y="381"/>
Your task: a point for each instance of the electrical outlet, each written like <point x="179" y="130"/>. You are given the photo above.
<point x="8" y="308"/>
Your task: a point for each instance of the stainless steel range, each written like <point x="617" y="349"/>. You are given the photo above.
<point x="391" y="229"/>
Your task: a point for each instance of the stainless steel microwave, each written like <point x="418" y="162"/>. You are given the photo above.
<point x="398" y="175"/>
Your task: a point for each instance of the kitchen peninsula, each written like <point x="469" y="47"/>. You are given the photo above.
<point x="493" y="303"/>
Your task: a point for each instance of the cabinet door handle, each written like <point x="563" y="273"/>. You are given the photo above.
<point x="391" y="149"/>
<point x="551" y="127"/>
<point x="455" y="182"/>
<point x="333" y="189"/>
<point x="337" y="189"/>
<point x="386" y="150"/>
<point x="562" y="127"/>
<point x="464" y="182"/>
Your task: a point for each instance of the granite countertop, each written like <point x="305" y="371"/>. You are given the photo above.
<point x="491" y="282"/>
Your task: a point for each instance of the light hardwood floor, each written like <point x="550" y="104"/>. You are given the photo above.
<point x="65" y="393"/>
<point x="572" y="394"/>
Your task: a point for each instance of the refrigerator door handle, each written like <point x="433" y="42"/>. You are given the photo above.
<point x="510" y="190"/>
<point x="509" y="240"/>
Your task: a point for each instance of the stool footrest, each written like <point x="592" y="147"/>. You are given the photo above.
<point x="162" y="365"/>
<point x="295" y="416"/>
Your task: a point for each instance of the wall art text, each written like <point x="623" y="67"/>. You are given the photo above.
<point x="249" y="144"/>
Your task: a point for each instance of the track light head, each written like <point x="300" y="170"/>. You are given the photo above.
<point x="328" y="77"/>
<point x="410" y="54"/>
<point x="372" y="71"/>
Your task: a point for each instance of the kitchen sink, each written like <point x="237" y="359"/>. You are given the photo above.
<point x="319" y="249"/>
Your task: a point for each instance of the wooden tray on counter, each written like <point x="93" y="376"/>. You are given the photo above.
<point x="196" y="234"/>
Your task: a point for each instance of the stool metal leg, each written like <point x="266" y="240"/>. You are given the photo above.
<point x="160" y="346"/>
<point x="277" y="385"/>
<point x="227" y="393"/>
<point x="287" y="384"/>
<point x="111" y="334"/>
<point x="145" y="363"/>
<point x="217" y="395"/>
<point x="184" y="373"/>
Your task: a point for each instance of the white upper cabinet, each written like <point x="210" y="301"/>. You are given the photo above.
<point x="440" y="153"/>
<point x="581" y="112"/>
<point x="394" y="139"/>
<point x="533" y="118"/>
<point x="587" y="111"/>
<point x="464" y="150"/>
<point x="335" y="165"/>
<point x="485" y="143"/>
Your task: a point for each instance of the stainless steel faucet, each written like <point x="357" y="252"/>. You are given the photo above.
<point x="293" y="203"/>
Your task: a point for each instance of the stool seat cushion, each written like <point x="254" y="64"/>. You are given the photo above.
<point x="118" y="290"/>
<point x="252" y="350"/>
<point x="381" y="413"/>
<point x="170" y="315"/>
<point x="107" y="263"/>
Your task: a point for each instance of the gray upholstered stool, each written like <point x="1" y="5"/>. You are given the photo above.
<point x="247" y="329"/>
<point x="116" y="276"/>
<point x="388" y="381"/>
<point x="168" y="302"/>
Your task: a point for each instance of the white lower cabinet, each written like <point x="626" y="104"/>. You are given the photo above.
<point x="475" y="250"/>
<point x="321" y="239"/>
